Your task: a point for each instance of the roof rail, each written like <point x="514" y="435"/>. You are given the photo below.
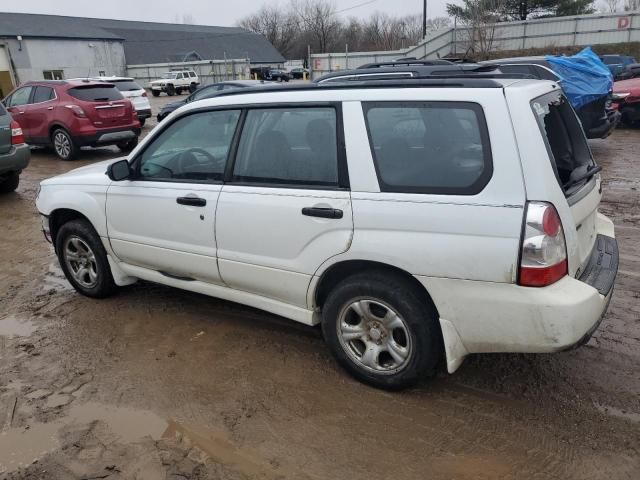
<point x="405" y="62"/>
<point x="436" y="81"/>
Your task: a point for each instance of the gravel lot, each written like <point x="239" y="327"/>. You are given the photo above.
<point x="158" y="383"/>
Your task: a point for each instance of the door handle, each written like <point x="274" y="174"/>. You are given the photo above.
<point x="192" y="201"/>
<point x="322" y="212"/>
<point x="50" y="108"/>
<point x="21" y="112"/>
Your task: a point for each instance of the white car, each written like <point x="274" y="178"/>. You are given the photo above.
<point x="175" y="82"/>
<point x="134" y="92"/>
<point x="413" y="220"/>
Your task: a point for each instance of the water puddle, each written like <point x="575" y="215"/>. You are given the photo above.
<point x="21" y="446"/>
<point x="619" y="413"/>
<point x="55" y="279"/>
<point x="12" y="326"/>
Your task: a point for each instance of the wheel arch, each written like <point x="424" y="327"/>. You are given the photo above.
<point x="55" y="126"/>
<point x="345" y="268"/>
<point x="60" y="216"/>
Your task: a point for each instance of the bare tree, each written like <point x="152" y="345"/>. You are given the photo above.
<point x="319" y="19"/>
<point x="631" y="5"/>
<point x="279" y="26"/>
<point x="480" y="18"/>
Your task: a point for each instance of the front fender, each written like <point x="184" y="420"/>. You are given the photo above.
<point x="88" y="200"/>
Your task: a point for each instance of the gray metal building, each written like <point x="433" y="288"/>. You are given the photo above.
<point x="35" y="47"/>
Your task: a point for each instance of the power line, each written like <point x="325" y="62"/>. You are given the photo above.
<point x="356" y="6"/>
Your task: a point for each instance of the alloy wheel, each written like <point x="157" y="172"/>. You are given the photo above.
<point x="81" y="261"/>
<point x="62" y="144"/>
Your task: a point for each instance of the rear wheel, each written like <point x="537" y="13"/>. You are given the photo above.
<point x="63" y="144"/>
<point x="126" y="147"/>
<point x="382" y="330"/>
<point x="10" y="183"/>
<point x="141" y="120"/>
<point x="84" y="260"/>
<point x="193" y="87"/>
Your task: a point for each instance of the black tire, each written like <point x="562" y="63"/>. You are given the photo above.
<point x="63" y="144"/>
<point x="83" y="230"/>
<point x="10" y="183"/>
<point x="171" y="90"/>
<point x="155" y="93"/>
<point x="126" y="147"/>
<point x="142" y="120"/>
<point x="193" y="87"/>
<point x="420" y="322"/>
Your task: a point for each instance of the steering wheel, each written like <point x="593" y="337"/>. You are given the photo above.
<point x="188" y="158"/>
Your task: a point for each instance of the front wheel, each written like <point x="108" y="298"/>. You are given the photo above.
<point x="155" y="93"/>
<point x="10" y="183"/>
<point x="84" y="260"/>
<point x="382" y="330"/>
<point x="63" y="145"/>
<point x="171" y="90"/>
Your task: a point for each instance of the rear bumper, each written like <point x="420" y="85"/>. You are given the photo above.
<point x="15" y="160"/>
<point x="144" y="113"/>
<point x="108" y="136"/>
<point x="484" y="317"/>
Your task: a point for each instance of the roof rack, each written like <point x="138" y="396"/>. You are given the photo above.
<point x="405" y="62"/>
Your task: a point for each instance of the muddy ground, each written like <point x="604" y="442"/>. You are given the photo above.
<point x="157" y="383"/>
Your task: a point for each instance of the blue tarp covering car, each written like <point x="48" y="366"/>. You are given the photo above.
<point x="584" y="77"/>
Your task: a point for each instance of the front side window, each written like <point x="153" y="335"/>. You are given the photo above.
<point x="20" y="97"/>
<point x="194" y="148"/>
<point x="179" y="77"/>
<point x="429" y="147"/>
<point x="565" y="140"/>
<point x="289" y="146"/>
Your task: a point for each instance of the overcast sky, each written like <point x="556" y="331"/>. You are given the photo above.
<point x="205" y="12"/>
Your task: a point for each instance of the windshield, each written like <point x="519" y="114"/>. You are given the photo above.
<point x="126" y="85"/>
<point x="565" y="140"/>
<point x="168" y="75"/>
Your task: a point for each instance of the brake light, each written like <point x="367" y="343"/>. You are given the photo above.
<point x="77" y="111"/>
<point x="543" y="258"/>
<point x="17" y="137"/>
<point x="144" y="94"/>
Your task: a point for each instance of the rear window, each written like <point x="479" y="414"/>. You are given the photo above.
<point x="612" y="59"/>
<point x="96" y="93"/>
<point x="126" y="85"/>
<point x="567" y="146"/>
<point x="429" y="147"/>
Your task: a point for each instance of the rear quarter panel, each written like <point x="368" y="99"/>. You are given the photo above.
<point x="474" y="237"/>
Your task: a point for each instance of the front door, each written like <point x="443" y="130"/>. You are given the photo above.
<point x="37" y="115"/>
<point x="286" y="207"/>
<point x="164" y="218"/>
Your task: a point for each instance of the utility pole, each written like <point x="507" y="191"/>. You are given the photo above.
<point x="424" y="19"/>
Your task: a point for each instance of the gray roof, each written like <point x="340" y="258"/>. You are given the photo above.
<point x="148" y="42"/>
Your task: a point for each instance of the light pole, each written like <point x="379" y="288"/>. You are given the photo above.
<point x="424" y="19"/>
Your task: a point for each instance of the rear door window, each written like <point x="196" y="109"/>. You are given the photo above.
<point x="96" y="93"/>
<point x="43" y="94"/>
<point x="519" y="69"/>
<point x="429" y="147"/>
<point x="565" y="141"/>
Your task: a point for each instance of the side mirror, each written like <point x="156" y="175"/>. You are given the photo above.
<point x="118" y="171"/>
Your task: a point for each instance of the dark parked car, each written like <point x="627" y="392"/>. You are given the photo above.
<point x="299" y="73"/>
<point x="14" y="153"/>
<point x="69" y="114"/>
<point x="599" y="118"/>
<point x="208" y="91"/>
<point x="617" y="63"/>
<point x="277" y="76"/>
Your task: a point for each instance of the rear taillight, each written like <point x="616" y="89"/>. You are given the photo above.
<point x="17" y="137"/>
<point x="77" y="111"/>
<point x="144" y="94"/>
<point x="543" y="258"/>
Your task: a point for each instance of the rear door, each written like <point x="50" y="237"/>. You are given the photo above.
<point x="104" y="105"/>
<point x="286" y="206"/>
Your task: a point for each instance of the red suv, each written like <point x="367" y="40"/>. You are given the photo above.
<point x="75" y="113"/>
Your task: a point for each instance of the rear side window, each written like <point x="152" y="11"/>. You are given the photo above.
<point x="567" y="146"/>
<point x="519" y="69"/>
<point x="289" y="146"/>
<point x="127" y="85"/>
<point x="429" y="147"/>
<point x="544" y="74"/>
<point x="43" y="94"/>
<point x="192" y="74"/>
<point x="96" y="93"/>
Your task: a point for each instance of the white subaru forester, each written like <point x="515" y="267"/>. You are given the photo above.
<point x="416" y="220"/>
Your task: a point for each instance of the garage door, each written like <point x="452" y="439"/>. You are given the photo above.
<point x="6" y="84"/>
